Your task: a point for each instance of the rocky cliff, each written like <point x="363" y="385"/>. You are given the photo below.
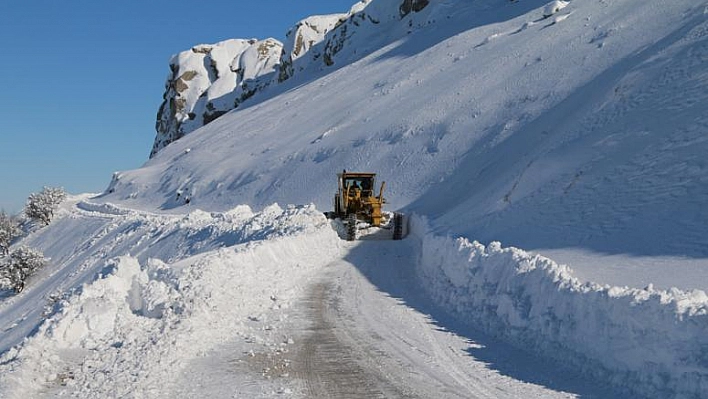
<point x="209" y="80"/>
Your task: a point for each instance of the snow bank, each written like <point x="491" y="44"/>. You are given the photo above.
<point x="651" y="341"/>
<point x="136" y="323"/>
<point x="107" y="208"/>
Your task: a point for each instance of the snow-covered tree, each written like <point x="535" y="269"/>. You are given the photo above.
<point x="9" y="230"/>
<point x="41" y="206"/>
<point x="16" y="268"/>
<point x="5" y="281"/>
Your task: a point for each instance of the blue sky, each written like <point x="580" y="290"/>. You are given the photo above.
<point x="82" y="80"/>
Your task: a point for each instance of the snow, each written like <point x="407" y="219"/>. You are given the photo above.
<point x="554" y="7"/>
<point x="649" y="340"/>
<point x="146" y="290"/>
<point x="663" y="272"/>
<point x="141" y="324"/>
<point x="587" y="133"/>
<point x="134" y="312"/>
<point x="562" y="142"/>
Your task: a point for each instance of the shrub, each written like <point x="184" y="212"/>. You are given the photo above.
<point x="21" y="264"/>
<point x="41" y="206"/>
<point x="5" y="280"/>
<point x="9" y="230"/>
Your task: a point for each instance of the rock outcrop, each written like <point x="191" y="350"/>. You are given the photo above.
<point x="209" y="80"/>
<point x="302" y="42"/>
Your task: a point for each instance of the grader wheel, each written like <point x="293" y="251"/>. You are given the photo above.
<point x="351" y="227"/>
<point x="397" y="226"/>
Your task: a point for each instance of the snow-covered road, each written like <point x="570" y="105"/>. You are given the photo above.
<point x="273" y="304"/>
<point x="362" y="328"/>
<point x="371" y="334"/>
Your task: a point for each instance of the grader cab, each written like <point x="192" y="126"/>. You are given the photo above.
<point x="356" y="201"/>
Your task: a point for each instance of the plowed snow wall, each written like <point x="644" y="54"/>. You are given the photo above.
<point x="652" y="342"/>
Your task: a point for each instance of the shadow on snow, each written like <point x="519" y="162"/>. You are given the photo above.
<point x="390" y="266"/>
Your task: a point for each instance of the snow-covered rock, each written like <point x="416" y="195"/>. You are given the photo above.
<point x="554" y="7"/>
<point x="209" y="80"/>
<point x="301" y="39"/>
<point x="316" y="41"/>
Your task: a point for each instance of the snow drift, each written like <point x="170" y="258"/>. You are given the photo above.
<point x="648" y="341"/>
<point x="146" y="290"/>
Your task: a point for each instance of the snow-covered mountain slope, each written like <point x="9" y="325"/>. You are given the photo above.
<point x="581" y="129"/>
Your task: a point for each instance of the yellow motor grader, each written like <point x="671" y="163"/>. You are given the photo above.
<point x="356" y="201"/>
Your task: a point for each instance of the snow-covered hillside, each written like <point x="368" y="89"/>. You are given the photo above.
<point x="581" y="129"/>
<point x="575" y="129"/>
